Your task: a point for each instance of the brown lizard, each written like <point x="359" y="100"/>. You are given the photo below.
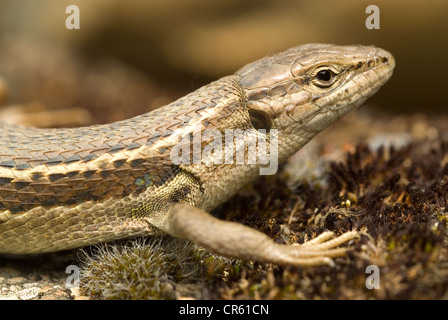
<point x="68" y="188"/>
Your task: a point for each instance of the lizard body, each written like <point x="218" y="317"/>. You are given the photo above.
<point x="68" y="188"/>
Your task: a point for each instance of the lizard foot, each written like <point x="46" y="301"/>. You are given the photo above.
<point x="234" y="240"/>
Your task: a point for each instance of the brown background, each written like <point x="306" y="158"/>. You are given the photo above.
<point x="179" y="45"/>
<point x="132" y="56"/>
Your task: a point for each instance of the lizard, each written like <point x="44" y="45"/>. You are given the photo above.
<point x="71" y="187"/>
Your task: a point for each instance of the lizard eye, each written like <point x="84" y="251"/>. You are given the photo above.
<point x="324" y="75"/>
<point x="324" y="78"/>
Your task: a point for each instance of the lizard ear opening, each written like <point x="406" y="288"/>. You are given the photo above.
<point x="260" y="120"/>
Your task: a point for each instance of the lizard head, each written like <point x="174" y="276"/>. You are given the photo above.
<point x="303" y="90"/>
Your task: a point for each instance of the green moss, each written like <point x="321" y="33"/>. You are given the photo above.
<point x="428" y="247"/>
<point x="155" y="268"/>
<point x="391" y="245"/>
<point x="406" y="237"/>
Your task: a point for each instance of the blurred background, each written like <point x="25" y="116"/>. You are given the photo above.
<point x="131" y="56"/>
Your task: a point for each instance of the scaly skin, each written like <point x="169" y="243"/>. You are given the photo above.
<point x="67" y="188"/>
